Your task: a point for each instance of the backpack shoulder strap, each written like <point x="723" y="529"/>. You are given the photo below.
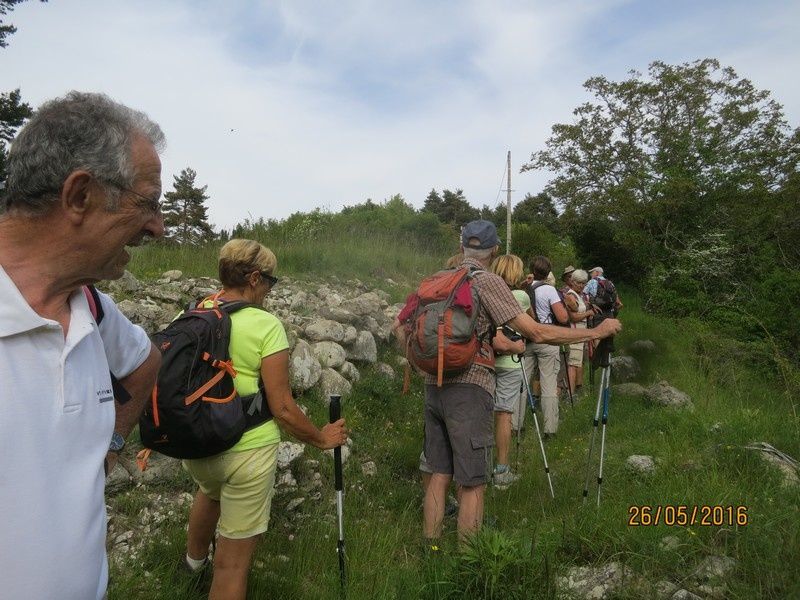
<point x="121" y="395"/>
<point x="236" y="305"/>
<point x="95" y="305"/>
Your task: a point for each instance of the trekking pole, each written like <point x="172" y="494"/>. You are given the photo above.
<point x="606" y="398"/>
<point x="566" y="376"/>
<point x="335" y="414"/>
<point x="519" y="427"/>
<point x="536" y="422"/>
<point x="595" y="422"/>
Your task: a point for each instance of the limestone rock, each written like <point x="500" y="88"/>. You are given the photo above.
<point x="166" y="293"/>
<point x="329" y="354"/>
<point x="363" y="349"/>
<point x="299" y="300"/>
<point x="663" y="394"/>
<point x="711" y="573"/>
<point x="642" y="346"/>
<point x="385" y="370"/>
<point x="285" y="482"/>
<point x="369" y="469"/>
<point x="350" y="335"/>
<point x="324" y="330"/>
<point x="624" y="368"/>
<point x="631" y="390"/>
<point x="127" y="284"/>
<point x="160" y="469"/>
<point x="294" y="504"/>
<point x="685" y="595"/>
<point x="173" y="275"/>
<point x="641" y="464"/>
<point x="304" y="368"/>
<point x="595" y="583"/>
<point x="777" y="459"/>
<point x="288" y="452"/>
<point x="332" y="383"/>
<point x="365" y="304"/>
<point x="338" y="314"/>
<point x="665" y="589"/>
<point x="350" y="372"/>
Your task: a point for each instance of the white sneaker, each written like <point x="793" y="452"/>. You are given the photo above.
<point x="504" y="479"/>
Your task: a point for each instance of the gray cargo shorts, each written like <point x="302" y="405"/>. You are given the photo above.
<point x="458" y="431"/>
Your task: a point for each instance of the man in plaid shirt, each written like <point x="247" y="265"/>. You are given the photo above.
<point x="458" y="415"/>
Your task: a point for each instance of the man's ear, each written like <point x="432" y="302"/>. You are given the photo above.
<point x="76" y="194"/>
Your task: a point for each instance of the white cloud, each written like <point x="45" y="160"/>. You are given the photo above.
<point x="288" y="106"/>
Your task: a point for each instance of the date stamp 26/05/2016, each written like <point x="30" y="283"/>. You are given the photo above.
<point x="684" y="515"/>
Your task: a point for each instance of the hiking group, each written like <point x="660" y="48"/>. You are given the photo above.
<point x="83" y="183"/>
<point x="465" y="330"/>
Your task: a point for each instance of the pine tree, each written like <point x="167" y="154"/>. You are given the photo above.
<point x="185" y="212"/>
<point x="13" y="112"/>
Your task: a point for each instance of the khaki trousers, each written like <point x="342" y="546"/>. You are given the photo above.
<point x="545" y="358"/>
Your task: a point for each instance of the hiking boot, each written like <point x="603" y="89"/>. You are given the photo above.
<point x="504" y="479"/>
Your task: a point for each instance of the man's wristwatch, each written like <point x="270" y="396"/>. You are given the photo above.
<point x="117" y="443"/>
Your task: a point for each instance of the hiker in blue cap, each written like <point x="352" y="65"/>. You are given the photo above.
<point x="458" y="413"/>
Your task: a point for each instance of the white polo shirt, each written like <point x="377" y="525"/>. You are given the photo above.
<point x="56" y="421"/>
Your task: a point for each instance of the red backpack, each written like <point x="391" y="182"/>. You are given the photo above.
<point x="441" y="334"/>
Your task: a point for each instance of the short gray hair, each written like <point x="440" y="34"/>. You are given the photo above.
<point x="580" y="276"/>
<point x="480" y="254"/>
<point x="79" y="131"/>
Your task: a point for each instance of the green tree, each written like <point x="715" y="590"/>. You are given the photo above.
<point x="6" y="6"/>
<point x="451" y="207"/>
<point x="690" y="148"/>
<point x="13" y="112"/>
<point x="185" y="212"/>
<point x="538" y="209"/>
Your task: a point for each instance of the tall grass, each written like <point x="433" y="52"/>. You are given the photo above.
<point x="318" y="245"/>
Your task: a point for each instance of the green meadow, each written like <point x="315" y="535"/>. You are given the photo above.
<point x="529" y="540"/>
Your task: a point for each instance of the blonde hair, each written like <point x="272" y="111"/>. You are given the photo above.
<point x="550" y="279"/>
<point x="511" y="268"/>
<point x="238" y="258"/>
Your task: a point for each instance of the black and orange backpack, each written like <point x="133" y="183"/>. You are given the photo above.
<point x="195" y="411"/>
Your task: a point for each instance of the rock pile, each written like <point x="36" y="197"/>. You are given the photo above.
<point x="331" y="330"/>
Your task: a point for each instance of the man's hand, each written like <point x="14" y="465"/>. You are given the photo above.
<point x="608" y="328"/>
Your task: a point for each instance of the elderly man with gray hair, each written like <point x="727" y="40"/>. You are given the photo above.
<point x="590" y="289"/>
<point x="84" y="181"/>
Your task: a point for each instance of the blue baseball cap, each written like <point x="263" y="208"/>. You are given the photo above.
<point x="484" y="231"/>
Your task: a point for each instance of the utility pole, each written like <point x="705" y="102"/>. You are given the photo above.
<point x="508" y="207"/>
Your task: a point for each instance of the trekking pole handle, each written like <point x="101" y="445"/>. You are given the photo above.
<point x="335" y="408"/>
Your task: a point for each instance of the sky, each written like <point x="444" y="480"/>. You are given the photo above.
<point x="293" y="105"/>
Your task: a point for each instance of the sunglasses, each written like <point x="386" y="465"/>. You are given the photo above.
<point x="270" y="279"/>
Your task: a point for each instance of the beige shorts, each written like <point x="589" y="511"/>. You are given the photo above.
<point x="243" y="483"/>
<point x="576" y="354"/>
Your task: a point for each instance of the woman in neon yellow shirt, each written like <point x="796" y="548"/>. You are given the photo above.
<point x="236" y="486"/>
